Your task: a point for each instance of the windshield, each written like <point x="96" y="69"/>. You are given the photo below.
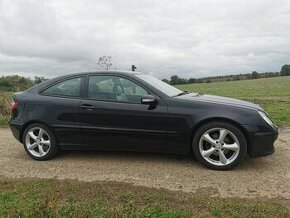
<point x="160" y="85"/>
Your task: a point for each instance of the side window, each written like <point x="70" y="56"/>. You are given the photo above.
<point x="131" y="88"/>
<point x="70" y="87"/>
<point x="114" y="88"/>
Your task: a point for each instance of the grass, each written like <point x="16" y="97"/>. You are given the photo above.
<point x="52" y="198"/>
<point x="273" y="94"/>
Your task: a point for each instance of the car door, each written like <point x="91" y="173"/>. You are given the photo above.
<point x="60" y="110"/>
<point x="113" y="118"/>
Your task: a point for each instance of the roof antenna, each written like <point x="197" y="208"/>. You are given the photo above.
<point x="134" y="67"/>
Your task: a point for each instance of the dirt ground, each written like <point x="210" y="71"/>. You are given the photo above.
<point x="266" y="177"/>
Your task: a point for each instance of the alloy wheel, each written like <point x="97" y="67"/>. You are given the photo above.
<point x="37" y="142"/>
<point x="219" y="146"/>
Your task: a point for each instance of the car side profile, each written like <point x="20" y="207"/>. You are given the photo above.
<point x="131" y="111"/>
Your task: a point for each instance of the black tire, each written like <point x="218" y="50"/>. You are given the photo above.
<point x="53" y="150"/>
<point x="225" y="125"/>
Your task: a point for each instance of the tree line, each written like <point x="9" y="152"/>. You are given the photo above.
<point x="18" y="83"/>
<point x="176" y="80"/>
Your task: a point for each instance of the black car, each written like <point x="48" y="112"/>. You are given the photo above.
<point x="130" y="111"/>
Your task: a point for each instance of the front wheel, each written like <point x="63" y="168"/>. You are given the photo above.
<point x="219" y="145"/>
<point x="39" y="142"/>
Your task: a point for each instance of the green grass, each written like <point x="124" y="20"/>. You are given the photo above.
<point x="4" y="120"/>
<point x="52" y="198"/>
<point x="273" y="94"/>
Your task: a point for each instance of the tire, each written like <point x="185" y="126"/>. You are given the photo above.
<point x="39" y="142"/>
<point x="219" y="145"/>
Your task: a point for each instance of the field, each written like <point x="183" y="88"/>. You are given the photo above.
<point x="52" y="198"/>
<point x="71" y="198"/>
<point x="273" y="94"/>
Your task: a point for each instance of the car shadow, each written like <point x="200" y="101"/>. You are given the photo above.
<point x="126" y="155"/>
<point x="158" y="158"/>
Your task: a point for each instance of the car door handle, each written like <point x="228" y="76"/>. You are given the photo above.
<point x="87" y="107"/>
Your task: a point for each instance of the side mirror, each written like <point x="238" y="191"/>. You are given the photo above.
<point x="149" y="100"/>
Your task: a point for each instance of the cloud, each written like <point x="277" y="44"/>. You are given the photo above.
<point x="191" y="38"/>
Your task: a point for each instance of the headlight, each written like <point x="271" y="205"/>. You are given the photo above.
<point x="266" y="118"/>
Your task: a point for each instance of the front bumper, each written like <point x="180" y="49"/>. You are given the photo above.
<point x="260" y="140"/>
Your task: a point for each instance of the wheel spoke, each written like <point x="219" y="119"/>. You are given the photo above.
<point x="45" y="142"/>
<point x="223" y="134"/>
<point x="223" y="158"/>
<point x="209" y="139"/>
<point x="32" y="146"/>
<point x="232" y="147"/>
<point x="208" y="152"/>
<point x="31" y="134"/>
<point x="41" y="151"/>
<point x="40" y="133"/>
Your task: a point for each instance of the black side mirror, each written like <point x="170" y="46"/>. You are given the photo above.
<point x="149" y="100"/>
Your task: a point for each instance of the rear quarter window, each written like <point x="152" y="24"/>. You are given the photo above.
<point x="70" y="87"/>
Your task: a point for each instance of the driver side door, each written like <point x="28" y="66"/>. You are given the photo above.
<point x="113" y="118"/>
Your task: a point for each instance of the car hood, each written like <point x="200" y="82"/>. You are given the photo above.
<point x="219" y="100"/>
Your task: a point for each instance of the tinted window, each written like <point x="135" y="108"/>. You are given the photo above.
<point x="69" y="87"/>
<point x="114" y="88"/>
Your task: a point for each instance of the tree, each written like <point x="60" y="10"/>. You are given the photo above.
<point x="166" y="81"/>
<point x="236" y="78"/>
<point x="15" y="83"/>
<point x="255" y="75"/>
<point x="199" y="81"/>
<point x="175" y="80"/>
<point x="105" y="61"/>
<point x="38" y="79"/>
<point x="285" y="70"/>
<point x="192" y="80"/>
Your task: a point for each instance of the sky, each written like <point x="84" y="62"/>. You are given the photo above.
<point x="194" y="38"/>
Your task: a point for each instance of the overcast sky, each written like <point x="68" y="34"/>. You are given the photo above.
<point x="192" y="38"/>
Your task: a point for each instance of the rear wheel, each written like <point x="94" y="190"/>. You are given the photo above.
<point x="219" y="145"/>
<point x="39" y="142"/>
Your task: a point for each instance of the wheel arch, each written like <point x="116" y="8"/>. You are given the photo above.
<point x="29" y="123"/>
<point x="219" y="119"/>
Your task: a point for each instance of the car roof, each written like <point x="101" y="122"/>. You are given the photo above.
<point x="121" y="72"/>
<point x="50" y="81"/>
<point x="115" y="72"/>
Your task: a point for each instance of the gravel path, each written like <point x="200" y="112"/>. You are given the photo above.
<point x="261" y="177"/>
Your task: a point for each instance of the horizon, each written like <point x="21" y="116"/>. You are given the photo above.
<point x="32" y="76"/>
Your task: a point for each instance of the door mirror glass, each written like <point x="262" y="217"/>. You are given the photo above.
<point x="149" y="100"/>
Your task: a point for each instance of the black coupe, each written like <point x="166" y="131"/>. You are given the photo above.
<point x="130" y="111"/>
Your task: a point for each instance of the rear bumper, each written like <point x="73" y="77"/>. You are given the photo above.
<point x="261" y="140"/>
<point x="15" y="128"/>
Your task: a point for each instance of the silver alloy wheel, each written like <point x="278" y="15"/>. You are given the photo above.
<point x="219" y="146"/>
<point x="37" y="142"/>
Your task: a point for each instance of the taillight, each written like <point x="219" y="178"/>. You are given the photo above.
<point x="14" y="105"/>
